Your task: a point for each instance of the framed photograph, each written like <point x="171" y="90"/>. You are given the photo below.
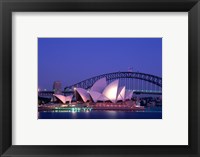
<point x="100" y="78"/>
<point x="112" y="90"/>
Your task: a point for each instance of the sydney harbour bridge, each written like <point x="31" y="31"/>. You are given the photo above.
<point x="132" y="80"/>
<point x="136" y="81"/>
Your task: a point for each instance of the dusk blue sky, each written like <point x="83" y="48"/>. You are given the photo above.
<point x="71" y="60"/>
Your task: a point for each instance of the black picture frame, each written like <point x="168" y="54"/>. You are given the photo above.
<point x="9" y="6"/>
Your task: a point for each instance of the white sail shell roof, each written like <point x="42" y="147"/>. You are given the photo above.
<point x="63" y="98"/>
<point x="111" y="91"/>
<point x="95" y="95"/>
<point x="103" y="98"/>
<point x="99" y="85"/>
<point x="69" y="98"/>
<point x="60" y="97"/>
<point x="100" y="91"/>
<point x="83" y="93"/>
<point x="121" y="93"/>
<point x="128" y="95"/>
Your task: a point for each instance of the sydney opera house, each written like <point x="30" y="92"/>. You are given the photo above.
<point x="101" y="91"/>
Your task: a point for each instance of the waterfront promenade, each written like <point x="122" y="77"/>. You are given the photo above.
<point x="120" y="106"/>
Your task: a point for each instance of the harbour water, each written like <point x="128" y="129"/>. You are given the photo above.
<point x="148" y="113"/>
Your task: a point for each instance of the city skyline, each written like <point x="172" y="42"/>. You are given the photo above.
<point x="71" y="60"/>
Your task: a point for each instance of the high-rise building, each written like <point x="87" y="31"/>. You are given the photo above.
<point x="57" y="87"/>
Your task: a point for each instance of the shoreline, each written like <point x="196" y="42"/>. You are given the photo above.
<point x="89" y="109"/>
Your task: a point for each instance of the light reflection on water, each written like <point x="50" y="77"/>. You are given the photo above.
<point x="149" y="113"/>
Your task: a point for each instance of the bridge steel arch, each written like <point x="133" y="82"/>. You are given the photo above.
<point x="86" y="84"/>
